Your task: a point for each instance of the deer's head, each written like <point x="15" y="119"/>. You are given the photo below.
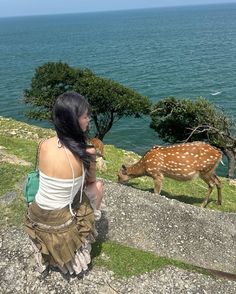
<point x="123" y="175"/>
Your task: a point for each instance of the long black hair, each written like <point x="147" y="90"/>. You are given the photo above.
<point x="67" y="110"/>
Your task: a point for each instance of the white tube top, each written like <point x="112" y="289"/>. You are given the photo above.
<point x="55" y="193"/>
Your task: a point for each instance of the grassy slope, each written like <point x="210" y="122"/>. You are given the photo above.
<point x="122" y="260"/>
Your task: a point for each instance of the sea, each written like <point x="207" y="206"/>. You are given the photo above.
<point x="186" y="52"/>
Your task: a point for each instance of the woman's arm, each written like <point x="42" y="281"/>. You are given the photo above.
<point x="94" y="188"/>
<point x="91" y="175"/>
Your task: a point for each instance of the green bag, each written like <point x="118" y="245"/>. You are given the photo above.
<point x="31" y="186"/>
<point x="32" y="182"/>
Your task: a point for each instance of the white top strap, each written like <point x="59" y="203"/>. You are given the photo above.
<point x="82" y="185"/>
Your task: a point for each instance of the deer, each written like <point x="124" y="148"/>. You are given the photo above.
<point x="100" y="159"/>
<point x="98" y="145"/>
<point x="182" y="162"/>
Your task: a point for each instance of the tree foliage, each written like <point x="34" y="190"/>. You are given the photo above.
<point x="175" y="120"/>
<point x="110" y="101"/>
<point x="179" y="120"/>
<point x="49" y="81"/>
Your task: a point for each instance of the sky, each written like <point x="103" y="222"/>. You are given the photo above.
<point x="39" y="7"/>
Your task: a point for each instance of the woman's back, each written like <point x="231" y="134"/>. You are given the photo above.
<point x="54" y="162"/>
<point x="56" y="175"/>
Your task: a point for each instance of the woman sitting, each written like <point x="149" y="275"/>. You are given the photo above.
<point x="60" y="222"/>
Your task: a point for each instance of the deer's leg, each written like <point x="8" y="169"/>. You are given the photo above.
<point x="218" y="186"/>
<point x="210" y="184"/>
<point x="157" y="183"/>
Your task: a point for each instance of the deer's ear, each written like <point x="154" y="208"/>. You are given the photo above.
<point x="124" y="169"/>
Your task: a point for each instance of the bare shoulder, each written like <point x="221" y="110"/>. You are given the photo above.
<point x="48" y="144"/>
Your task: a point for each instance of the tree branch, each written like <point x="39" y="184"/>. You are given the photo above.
<point x="210" y="129"/>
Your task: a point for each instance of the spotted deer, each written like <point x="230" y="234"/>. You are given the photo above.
<point x="181" y="162"/>
<point x="100" y="159"/>
<point x="98" y="145"/>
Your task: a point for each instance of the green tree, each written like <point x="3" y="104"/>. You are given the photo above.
<point x="110" y="101"/>
<point x="182" y="120"/>
<point x="49" y="81"/>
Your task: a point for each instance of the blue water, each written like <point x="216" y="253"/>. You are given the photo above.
<point x="180" y="51"/>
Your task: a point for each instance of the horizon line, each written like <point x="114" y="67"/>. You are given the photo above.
<point x="117" y="10"/>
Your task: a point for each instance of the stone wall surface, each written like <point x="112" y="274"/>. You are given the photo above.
<point x="138" y="219"/>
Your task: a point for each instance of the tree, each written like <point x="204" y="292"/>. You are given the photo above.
<point x="182" y="120"/>
<point x="49" y="81"/>
<point x="110" y="101"/>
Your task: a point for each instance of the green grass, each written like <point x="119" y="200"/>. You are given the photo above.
<point x="125" y="261"/>
<point x="12" y="181"/>
<point x="14" y="213"/>
<point x="22" y="148"/>
<point x="115" y="157"/>
<point x="10" y="175"/>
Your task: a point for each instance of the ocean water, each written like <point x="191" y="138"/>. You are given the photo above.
<point x="179" y="51"/>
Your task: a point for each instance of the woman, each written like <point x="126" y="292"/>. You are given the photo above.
<point x="60" y="222"/>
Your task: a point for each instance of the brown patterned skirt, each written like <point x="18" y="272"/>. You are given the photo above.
<point x="60" y="240"/>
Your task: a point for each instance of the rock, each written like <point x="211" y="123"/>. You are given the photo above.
<point x="172" y="229"/>
<point x="101" y="164"/>
<point x="13" y="159"/>
<point x="8" y="197"/>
